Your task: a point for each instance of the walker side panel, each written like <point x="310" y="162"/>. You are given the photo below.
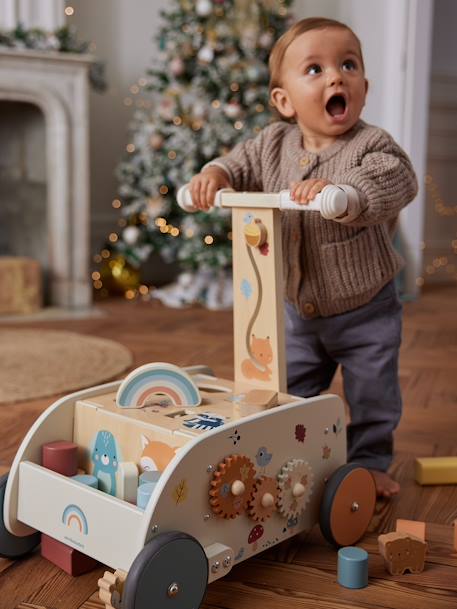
<point x="55" y="423"/>
<point x="89" y="520"/>
<point x="311" y="431"/>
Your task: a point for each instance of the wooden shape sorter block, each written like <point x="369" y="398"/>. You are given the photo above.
<point x="436" y="470"/>
<point x="61" y="457"/>
<point x="68" y="559"/>
<point x="402" y="552"/>
<point x="258" y="320"/>
<point x="412" y="527"/>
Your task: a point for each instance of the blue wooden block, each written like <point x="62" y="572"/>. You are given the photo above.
<point x="144" y="493"/>
<point x="86" y="479"/>
<point x="352" y="567"/>
<point x="149" y="476"/>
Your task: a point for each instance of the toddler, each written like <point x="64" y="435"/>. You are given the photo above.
<point x="341" y="301"/>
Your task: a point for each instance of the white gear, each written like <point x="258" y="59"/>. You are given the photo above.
<point x="295" y="483"/>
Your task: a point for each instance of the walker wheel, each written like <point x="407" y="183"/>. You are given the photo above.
<point x="170" y="572"/>
<point x="13" y="546"/>
<point x="348" y="505"/>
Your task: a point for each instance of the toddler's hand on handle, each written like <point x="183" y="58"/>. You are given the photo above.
<point x="204" y="185"/>
<point x="305" y="191"/>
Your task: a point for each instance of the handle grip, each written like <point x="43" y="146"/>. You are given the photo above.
<point x="331" y="202"/>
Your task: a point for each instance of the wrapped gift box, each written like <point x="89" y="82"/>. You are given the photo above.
<point x="20" y="285"/>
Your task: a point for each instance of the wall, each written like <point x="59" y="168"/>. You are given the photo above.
<point x="123" y="41"/>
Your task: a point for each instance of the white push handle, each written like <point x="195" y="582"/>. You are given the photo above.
<point x="185" y="198"/>
<point x="331" y="202"/>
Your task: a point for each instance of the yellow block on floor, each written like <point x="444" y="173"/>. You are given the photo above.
<point x="436" y="470"/>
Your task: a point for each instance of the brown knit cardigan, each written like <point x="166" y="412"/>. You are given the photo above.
<point x="331" y="266"/>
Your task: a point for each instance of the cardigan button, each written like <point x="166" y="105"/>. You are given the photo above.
<point x="304" y="161"/>
<point x="309" y="308"/>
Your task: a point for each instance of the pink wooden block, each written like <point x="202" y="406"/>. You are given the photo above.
<point x="70" y="560"/>
<point x="61" y="457"/>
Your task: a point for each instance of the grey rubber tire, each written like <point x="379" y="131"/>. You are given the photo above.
<point x="12" y="546"/>
<point x="171" y="571"/>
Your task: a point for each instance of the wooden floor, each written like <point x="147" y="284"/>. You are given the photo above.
<point x="299" y="574"/>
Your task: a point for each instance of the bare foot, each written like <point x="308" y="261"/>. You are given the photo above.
<point x="385" y="485"/>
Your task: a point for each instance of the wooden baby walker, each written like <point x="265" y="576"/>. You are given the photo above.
<point x="173" y="476"/>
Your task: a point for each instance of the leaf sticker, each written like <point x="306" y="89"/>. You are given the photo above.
<point x="180" y="493"/>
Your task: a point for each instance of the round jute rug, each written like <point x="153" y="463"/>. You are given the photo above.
<point x="41" y="363"/>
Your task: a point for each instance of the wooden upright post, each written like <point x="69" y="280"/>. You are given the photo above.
<point x="258" y="295"/>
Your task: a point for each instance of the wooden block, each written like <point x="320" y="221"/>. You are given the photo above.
<point x="352" y="571"/>
<point x="127" y="481"/>
<point x="413" y="527"/>
<point x="263" y="398"/>
<point x="20" y="285"/>
<point x="68" y="559"/>
<point x="402" y="552"/>
<point x="436" y="470"/>
<point x="254" y="401"/>
<point x="61" y="457"/>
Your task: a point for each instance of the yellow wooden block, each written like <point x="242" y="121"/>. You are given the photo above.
<point x="436" y="470"/>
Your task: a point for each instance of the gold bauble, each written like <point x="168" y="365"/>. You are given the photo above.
<point x="118" y="276"/>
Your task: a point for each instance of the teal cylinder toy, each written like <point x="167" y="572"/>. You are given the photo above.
<point x="352" y="567"/>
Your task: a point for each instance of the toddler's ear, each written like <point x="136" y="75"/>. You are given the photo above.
<point x="281" y="102"/>
<point x="367" y="84"/>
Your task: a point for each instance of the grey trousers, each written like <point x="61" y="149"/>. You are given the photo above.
<point x="366" y="343"/>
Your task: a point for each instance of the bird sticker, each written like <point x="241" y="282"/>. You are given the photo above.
<point x="263" y="458"/>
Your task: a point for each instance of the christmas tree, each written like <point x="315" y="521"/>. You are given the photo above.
<point x="209" y="92"/>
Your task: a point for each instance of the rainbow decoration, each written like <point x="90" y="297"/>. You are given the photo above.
<point x="159" y="381"/>
<point x="74" y="516"/>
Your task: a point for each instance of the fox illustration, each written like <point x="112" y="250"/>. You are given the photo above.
<point x="256" y="367"/>
<point x="156" y="455"/>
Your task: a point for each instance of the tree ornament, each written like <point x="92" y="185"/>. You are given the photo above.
<point x="266" y="40"/>
<point x="232" y="109"/>
<point x="177" y="66"/>
<point x="204" y="8"/>
<point x="206" y="54"/>
<point x="118" y="276"/>
<point x="156" y="141"/>
<point x="130" y="234"/>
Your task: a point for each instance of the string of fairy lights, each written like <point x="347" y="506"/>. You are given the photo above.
<point x="446" y="263"/>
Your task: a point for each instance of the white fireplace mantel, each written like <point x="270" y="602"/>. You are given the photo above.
<point x="58" y="84"/>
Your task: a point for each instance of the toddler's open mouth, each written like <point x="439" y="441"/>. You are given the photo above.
<point x="336" y="106"/>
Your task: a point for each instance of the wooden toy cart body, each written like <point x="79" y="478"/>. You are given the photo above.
<point x="247" y="467"/>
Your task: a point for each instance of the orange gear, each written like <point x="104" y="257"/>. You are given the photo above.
<point x="231" y="486"/>
<point x="260" y="508"/>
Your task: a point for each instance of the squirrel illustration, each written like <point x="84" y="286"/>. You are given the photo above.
<point x="262" y="355"/>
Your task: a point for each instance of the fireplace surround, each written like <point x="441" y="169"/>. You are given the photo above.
<point x="58" y="84"/>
